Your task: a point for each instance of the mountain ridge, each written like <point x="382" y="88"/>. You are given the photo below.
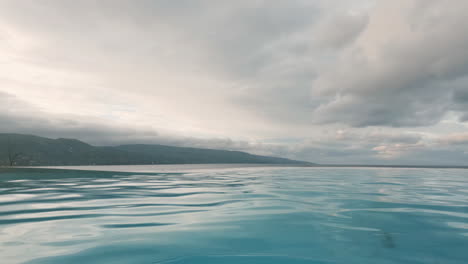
<point x="32" y="150"/>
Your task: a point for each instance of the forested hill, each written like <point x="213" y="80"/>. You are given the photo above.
<point x="29" y="150"/>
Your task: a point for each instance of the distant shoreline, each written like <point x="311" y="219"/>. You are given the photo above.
<point x="245" y="165"/>
<point x="392" y="166"/>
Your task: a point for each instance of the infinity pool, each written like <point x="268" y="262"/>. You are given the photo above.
<point x="234" y="215"/>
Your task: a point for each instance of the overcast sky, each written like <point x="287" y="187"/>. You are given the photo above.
<point x="328" y="81"/>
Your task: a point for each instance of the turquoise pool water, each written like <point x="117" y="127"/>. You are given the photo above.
<point x="235" y="215"/>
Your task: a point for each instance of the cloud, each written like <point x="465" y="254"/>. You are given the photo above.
<point x="460" y="99"/>
<point x="390" y="151"/>
<point x="348" y="146"/>
<point x="400" y="70"/>
<point x="454" y="139"/>
<point x="359" y="81"/>
<point x="17" y="116"/>
<point x="339" y="31"/>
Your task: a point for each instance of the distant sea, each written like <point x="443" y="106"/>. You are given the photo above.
<point x="233" y="214"/>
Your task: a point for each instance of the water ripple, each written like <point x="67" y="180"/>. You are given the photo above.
<point x="241" y="215"/>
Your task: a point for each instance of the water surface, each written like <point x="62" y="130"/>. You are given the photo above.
<point x="234" y="215"/>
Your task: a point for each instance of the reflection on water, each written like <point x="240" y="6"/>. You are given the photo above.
<point x="234" y="215"/>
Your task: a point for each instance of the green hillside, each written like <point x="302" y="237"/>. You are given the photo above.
<point x="29" y="150"/>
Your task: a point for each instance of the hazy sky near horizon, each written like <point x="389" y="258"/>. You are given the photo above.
<point x="328" y="81"/>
